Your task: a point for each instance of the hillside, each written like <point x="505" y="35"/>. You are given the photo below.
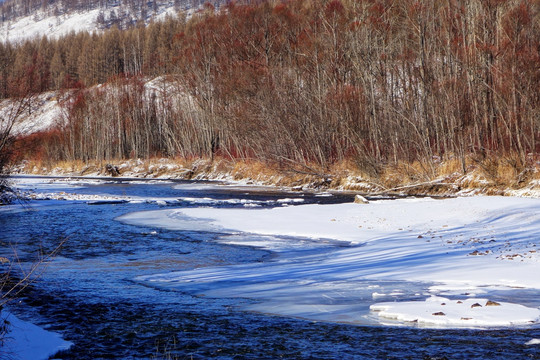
<point x="59" y="18"/>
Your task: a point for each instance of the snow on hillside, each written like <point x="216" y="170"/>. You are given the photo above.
<point x="46" y="111"/>
<point x="29" y="27"/>
<point x="41" y="24"/>
<point x="43" y="114"/>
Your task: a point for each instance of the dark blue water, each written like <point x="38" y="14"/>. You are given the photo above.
<point x="87" y="293"/>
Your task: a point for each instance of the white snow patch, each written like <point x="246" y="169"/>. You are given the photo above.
<point x="43" y="114"/>
<point x="471" y="312"/>
<point x="26" y="341"/>
<point x="42" y="23"/>
<point x="289" y="201"/>
<point x="467" y="246"/>
<point x="53" y="26"/>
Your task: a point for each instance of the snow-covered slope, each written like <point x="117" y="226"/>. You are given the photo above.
<point x="45" y="24"/>
<point x="29" y="27"/>
<point x="44" y="113"/>
<point x="46" y="110"/>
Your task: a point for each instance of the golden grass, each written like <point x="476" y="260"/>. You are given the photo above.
<point x="349" y="167"/>
<point x="451" y="166"/>
<point x="251" y="169"/>
<point x="489" y="174"/>
<point x="403" y="174"/>
<point x="73" y="166"/>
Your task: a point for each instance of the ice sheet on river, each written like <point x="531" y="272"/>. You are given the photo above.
<point x="68" y="189"/>
<point x="398" y="250"/>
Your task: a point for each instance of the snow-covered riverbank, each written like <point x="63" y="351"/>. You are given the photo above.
<point x="460" y="248"/>
<point x="26" y="341"/>
<point x="474" y="183"/>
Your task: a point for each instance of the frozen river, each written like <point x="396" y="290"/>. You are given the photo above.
<point x="191" y="287"/>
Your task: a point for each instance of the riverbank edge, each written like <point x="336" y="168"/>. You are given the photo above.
<point x="26" y="340"/>
<point x="442" y="178"/>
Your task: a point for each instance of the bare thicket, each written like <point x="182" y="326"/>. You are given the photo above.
<point x="10" y="114"/>
<point x="300" y="82"/>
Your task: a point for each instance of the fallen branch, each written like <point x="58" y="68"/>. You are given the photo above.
<point x="412" y="186"/>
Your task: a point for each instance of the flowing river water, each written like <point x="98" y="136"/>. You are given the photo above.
<point x="88" y="293"/>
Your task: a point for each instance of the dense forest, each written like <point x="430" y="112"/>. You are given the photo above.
<point x="313" y="82"/>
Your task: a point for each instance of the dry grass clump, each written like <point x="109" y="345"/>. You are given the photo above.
<point x="497" y="171"/>
<point x="252" y="169"/>
<point x="71" y="166"/>
<point x="452" y="166"/>
<point x="354" y="175"/>
<point x="41" y="167"/>
<point x="31" y="167"/>
<point x="479" y="174"/>
<point x="348" y="167"/>
<point x="503" y="171"/>
<point x="403" y="174"/>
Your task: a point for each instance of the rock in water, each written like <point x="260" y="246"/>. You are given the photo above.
<point x="112" y="170"/>
<point x="359" y="199"/>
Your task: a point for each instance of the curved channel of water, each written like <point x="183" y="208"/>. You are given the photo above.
<point x="87" y="292"/>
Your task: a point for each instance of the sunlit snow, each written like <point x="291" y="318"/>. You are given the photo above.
<point x="26" y="341"/>
<point x="414" y="248"/>
<point x="41" y="23"/>
<point x="36" y="25"/>
<point x="439" y="311"/>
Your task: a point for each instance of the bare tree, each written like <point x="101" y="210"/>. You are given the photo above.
<point x="9" y="117"/>
<point x="14" y="275"/>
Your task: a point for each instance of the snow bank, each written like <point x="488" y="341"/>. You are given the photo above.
<point x="462" y="245"/>
<point x="443" y="312"/>
<point x="26" y="341"/>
